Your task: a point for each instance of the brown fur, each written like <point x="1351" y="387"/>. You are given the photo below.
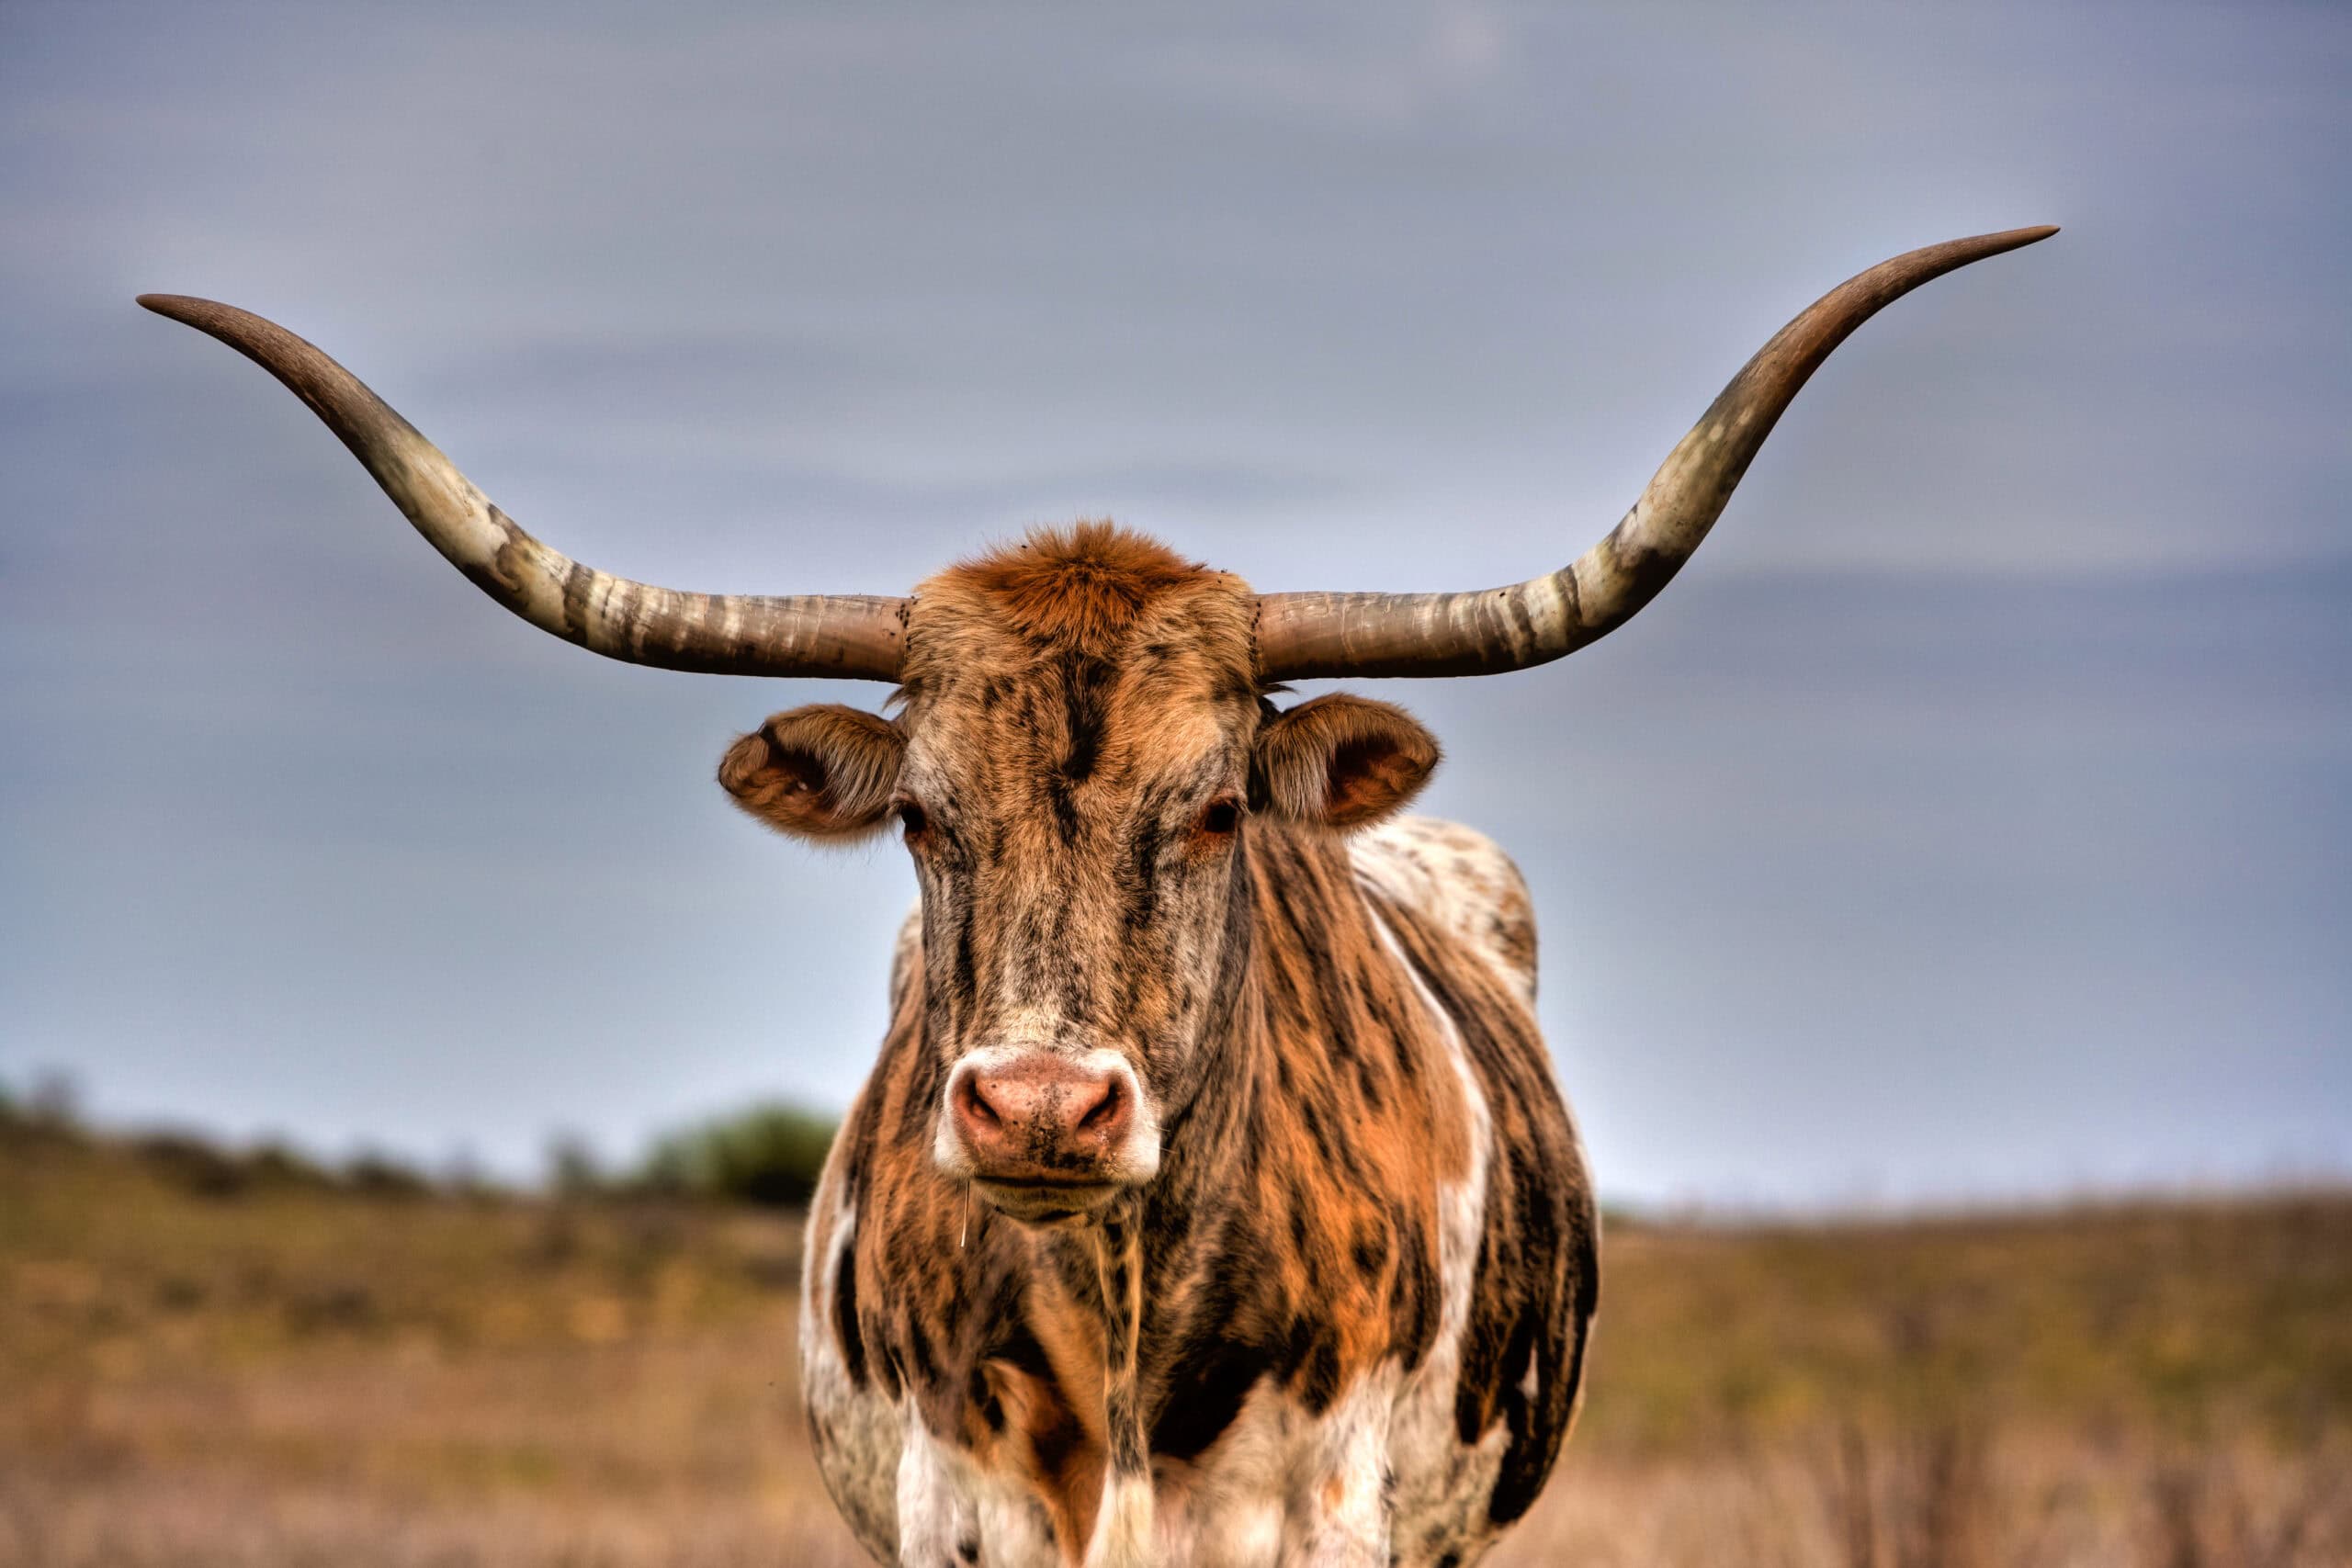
<point x="1080" y="587"/>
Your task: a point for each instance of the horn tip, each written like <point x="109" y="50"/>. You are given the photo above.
<point x="2012" y="239"/>
<point x="1980" y="246"/>
<point x="178" y="307"/>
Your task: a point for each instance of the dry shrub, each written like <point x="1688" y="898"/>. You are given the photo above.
<point x="2232" y="1509"/>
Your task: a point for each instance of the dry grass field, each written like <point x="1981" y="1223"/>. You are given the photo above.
<point x="212" y="1368"/>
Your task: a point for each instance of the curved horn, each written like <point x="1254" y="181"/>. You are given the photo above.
<point x="852" y="635"/>
<point x="1487" y="633"/>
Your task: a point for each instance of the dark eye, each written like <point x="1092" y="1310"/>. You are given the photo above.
<point x="911" y="820"/>
<point x="1222" y="817"/>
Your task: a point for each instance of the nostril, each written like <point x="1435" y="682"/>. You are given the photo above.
<point x="1104" y="1111"/>
<point x="975" y="1105"/>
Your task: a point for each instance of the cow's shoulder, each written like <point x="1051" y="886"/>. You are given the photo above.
<point x="1462" y="880"/>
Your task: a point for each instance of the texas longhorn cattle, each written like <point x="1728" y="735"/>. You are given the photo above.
<point x="1211" y="1200"/>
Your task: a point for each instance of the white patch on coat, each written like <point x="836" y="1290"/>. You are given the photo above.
<point x="1339" y="1481"/>
<point x="1228" y="1507"/>
<point x="1014" y="1529"/>
<point x="1461" y="879"/>
<point x="1123" y="1526"/>
<point x="934" y="1511"/>
<point x="857" y="1447"/>
<point x="1282" y="1489"/>
<point x="1438" y="1502"/>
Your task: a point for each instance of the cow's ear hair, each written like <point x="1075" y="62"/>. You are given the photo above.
<point x="822" y="772"/>
<point x="1340" y="761"/>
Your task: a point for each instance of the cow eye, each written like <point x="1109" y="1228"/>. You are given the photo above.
<point x="1221" y="817"/>
<point x="911" y="820"/>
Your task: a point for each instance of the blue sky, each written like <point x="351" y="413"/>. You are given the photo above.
<point x="1971" y="819"/>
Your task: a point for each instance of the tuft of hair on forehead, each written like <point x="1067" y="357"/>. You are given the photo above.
<point x="1080" y="587"/>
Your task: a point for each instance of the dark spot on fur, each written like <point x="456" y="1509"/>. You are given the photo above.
<point x="1320" y="1385"/>
<point x="853" y="1343"/>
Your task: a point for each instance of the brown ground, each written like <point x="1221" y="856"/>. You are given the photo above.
<point x="292" y="1375"/>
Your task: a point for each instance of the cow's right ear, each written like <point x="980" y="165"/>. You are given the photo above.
<point x="822" y="772"/>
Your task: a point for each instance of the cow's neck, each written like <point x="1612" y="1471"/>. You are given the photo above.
<point x="1300" y="929"/>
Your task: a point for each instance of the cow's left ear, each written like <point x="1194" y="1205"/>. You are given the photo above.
<point x="1340" y="761"/>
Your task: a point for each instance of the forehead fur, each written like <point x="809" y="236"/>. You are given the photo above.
<point x="1091" y="589"/>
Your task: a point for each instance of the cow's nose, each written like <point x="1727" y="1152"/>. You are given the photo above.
<point x="1041" y="1116"/>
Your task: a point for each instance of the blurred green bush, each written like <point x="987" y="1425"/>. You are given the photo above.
<point x="770" y="1154"/>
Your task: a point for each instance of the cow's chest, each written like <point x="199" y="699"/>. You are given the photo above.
<point x="1377" y="1478"/>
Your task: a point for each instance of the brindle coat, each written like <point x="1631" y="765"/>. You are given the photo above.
<point x="1345" y="1319"/>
